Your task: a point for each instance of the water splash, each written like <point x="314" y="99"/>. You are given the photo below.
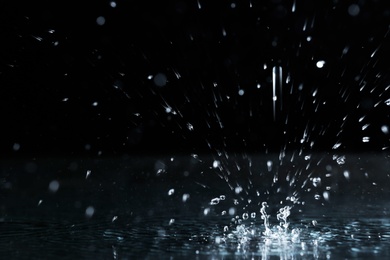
<point x="267" y="239"/>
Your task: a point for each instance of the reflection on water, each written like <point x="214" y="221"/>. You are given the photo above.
<point x="129" y="208"/>
<point x="330" y="238"/>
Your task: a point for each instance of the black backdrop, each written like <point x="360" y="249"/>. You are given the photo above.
<point x="113" y="77"/>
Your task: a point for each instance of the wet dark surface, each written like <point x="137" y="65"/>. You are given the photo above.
<point x="159" y="207"/>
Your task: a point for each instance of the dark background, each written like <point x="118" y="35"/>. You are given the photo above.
<point x="165" y="76"/>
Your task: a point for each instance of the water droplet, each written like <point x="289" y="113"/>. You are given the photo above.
<point x="171" y="221"/>
<point x="113" y="4"/>
<point x="222" y="197"/>
<point x="185" y="197"/>
<point x="385" y="129"/>
<point x="40" y="202"/>
<point x="16" y="147"/>
<point x="190" y="127"/>
<point x="336" y="145"/>
<point x="114" y="218"/>
<point x="160" y="79"/>
<point x="206" y="211"/>
<point x="317" y="197"/>
<point x="214" y="201"/>
<point x="245" y="216"/>
<point x="269" y="165"/>
<point x="216" y="164"/>
<point x="316" y="181"/>
<point x="94" y="104"/>
<point x="320" y="64"/>
<point x="366" y="139"/>
<point x="353" y="10"/>
<point x="253" y="215"/>
<point x="340" y="160"/>
<point x="387" y="102"/>
<point x="88" y="173"/>
<point x="171" y="192"/>
<point x="232" y="211"/>
<point x="89" y="211"/>
<point x="100" y="20"/>
<point x="326" y="195"/>
<point x="241" y="92"/>
<point x="54" y="186"/>
<point x="238" y="190"/>
<point x="346" y="175"/>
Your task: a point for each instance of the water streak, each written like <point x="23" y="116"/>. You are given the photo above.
<point x="277" y="89"/>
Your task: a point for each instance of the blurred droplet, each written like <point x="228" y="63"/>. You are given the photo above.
<point x="160" y="79"/>
<point x="385" y="129"/>
<point x="89" y="211"/>
<point x="353" y="10"/>
<point x="16" y="147"/>
<point x="54" y="186"/>
<point x="346" y="175"/>
<point x="185" y="197"/>
<point x="100" y="20"/>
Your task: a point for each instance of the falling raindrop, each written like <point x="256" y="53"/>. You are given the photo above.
<point x="277" y="85"/>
